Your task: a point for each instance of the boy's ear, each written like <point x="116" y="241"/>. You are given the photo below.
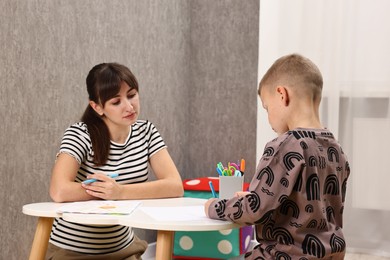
<point x="98" y="109"/>
<point x="283" y="94"/>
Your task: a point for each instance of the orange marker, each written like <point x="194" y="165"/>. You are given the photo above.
<point x="242" y="166"/>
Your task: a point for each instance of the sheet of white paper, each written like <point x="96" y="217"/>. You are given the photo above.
<point x="187" y="213"/>
<point x="100" y="207"/>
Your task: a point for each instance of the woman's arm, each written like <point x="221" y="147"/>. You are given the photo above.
<point x="168" y="182"/>
<point x="63" y="188"/>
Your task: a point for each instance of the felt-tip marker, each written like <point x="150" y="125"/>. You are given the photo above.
<point x="112" y="175"/>
<point x="212" y="189"/>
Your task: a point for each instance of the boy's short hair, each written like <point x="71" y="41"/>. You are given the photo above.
<point x="297" y="72"/>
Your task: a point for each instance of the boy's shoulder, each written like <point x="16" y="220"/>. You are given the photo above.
<point x="298" y="138"/>
<point x="300" y="133"/>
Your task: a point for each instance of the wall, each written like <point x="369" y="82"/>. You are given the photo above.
<point x="348" y="40"/>
<point x="196" y="62"/>
<point x="223" y="92"/>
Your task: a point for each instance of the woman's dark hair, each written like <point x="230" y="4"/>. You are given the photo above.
<point x="103" y="83"/>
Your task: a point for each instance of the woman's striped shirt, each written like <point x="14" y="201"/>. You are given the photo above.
<point x="129" y="160"/>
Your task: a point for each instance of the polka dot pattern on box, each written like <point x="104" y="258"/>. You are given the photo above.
<point x="220" y="244"/>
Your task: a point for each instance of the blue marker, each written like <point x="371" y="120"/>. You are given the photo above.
<point x="212" y="189"/>
<point x="112" y="175"/>
<point x="220" y="173"/>
<point x="237" y="173"/>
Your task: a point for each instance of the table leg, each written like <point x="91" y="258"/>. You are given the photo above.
<point x="41" y="238"/>
<point x="164" y="245"/>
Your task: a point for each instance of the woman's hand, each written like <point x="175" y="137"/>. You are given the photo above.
<point x="105" y="188"/>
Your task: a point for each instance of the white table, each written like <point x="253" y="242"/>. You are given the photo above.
<point x="47" y="211"/>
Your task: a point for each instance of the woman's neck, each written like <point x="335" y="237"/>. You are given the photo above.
<point x="119" y="134"/>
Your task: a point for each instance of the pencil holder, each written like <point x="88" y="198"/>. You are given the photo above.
<point x="229" y="185"/>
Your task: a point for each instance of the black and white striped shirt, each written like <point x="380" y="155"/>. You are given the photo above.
<point x="129" y="160"/>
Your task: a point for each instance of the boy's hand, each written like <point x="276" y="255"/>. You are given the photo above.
<point x="207" y="205"/>
<point x="241" y="193"/>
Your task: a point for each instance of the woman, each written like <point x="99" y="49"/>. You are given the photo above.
<point x="109" y="139"/>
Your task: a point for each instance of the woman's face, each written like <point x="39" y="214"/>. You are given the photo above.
<point x="123" y="109"/>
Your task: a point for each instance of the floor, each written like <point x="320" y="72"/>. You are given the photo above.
<point x="149" y="255"/>
<point x="347" y="257"/>
<point x="351" y="256"/>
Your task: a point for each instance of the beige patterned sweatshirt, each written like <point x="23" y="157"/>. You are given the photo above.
<point x="296" y="198"/>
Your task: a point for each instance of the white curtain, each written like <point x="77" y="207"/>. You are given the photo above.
<point x="350" y="42"/>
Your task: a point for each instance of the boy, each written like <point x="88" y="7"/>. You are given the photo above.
<point x="296" y="198"/>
